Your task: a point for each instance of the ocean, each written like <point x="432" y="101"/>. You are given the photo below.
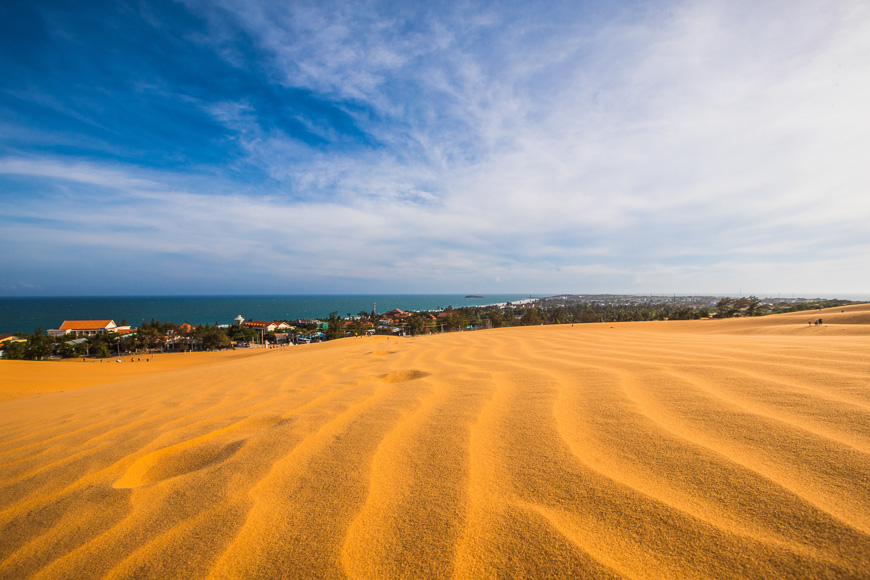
<point x="27" y="314"/>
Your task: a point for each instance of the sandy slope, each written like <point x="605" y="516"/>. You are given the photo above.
<point x="716" y="449"/>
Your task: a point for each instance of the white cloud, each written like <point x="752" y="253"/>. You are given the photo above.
<point x="699" y="146"/>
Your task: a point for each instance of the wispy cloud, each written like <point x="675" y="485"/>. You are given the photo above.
<point x="696" y="148"/>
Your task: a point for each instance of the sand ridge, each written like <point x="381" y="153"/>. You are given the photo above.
<point x="698" y="449"/>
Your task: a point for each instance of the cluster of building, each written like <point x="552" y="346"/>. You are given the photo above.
<point x="627" y="300"/>
<point x="395" y="319"/>
<point x="264" y="327"/>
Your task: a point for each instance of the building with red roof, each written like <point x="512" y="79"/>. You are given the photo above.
<point x="84" y="327"/>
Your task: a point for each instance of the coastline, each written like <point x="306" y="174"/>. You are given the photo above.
<point x="26" y="314"/>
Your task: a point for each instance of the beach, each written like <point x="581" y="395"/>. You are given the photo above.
<point x="735" y="448"/>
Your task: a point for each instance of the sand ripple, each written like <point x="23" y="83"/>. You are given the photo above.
<point x="731" y="449"/>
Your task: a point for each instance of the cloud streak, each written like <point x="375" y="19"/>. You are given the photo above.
<point x="694" y="148"/>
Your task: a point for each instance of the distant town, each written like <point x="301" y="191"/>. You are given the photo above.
<point x="101" y="339"/>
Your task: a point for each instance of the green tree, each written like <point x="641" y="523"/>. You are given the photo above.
<point x="508" y="315"/>
<point x="725" y="307"/>
<point x="244" y="334"/>
<point x="39" y="345"/>
<point x="741" y="304"/>
<point x="533" y="316"/>
<point x="13" y="350"/>
<point x="212" y="337"/>
<point x="416" y="324"/>
<point x="495" y="317"/>
<point x="561" y="315"/>
<point x="334" y="326"/>
<point x="455" y="321"/>
<point x="149" y="334"/>
<point x="753" y="302"/>
<point x="65" y="349"/>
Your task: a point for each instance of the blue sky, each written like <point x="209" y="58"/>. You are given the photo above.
<point x="223" y="147"/>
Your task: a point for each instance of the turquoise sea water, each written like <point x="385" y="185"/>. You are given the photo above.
<point x="26" y="314"/>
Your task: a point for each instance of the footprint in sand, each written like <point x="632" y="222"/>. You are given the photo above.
<point x="194" y="454"/>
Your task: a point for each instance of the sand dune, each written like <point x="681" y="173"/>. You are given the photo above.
<point x="698" y="449"/>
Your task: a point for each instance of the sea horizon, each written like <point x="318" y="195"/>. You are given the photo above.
<point x="27" y="313"/>
<point x="24" y="314"/>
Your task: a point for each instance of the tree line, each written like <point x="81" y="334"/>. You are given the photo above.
<point x="474" y="317"/>
<point x="149" y="337"/>
<point x="152" y="336"/>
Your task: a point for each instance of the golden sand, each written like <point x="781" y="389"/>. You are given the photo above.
<point x="699" y="449"/>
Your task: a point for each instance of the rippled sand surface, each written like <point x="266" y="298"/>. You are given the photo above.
<point x="702" y="449"/>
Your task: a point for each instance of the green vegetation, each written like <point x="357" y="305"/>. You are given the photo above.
<point x="809" y="305"/>
<point x="212" y="337"/>
<point x="335" y="326"/>
<point x="243" y="334"/>
<point x="416" y="324"/>
<point x="153" y="336"/>
<point x="159" y="336"/>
